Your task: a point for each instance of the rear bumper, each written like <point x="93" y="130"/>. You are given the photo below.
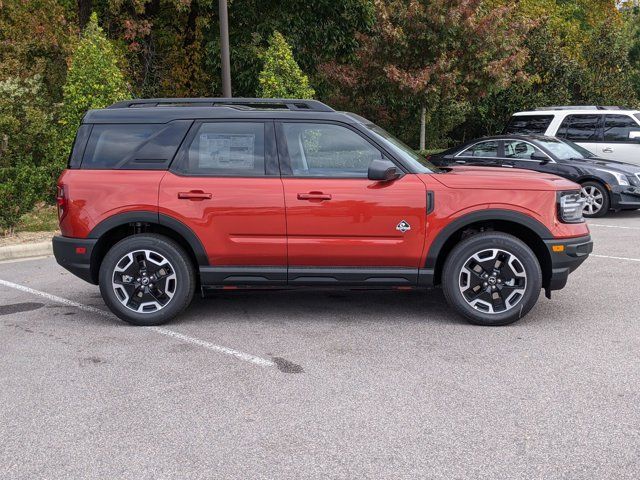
<point x="74" y="254"/>
<point x="567" y="256"/>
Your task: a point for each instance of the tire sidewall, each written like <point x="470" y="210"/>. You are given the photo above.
<point x="173" y="253"/>
<point x="483" y="241"/>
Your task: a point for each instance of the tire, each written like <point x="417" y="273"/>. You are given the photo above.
<point x="598" y="201"/>
<point x="149" y="258"/>
<point x="517" y="283"/>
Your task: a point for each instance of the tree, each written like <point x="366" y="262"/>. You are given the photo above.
<point x="438" y="55"/>
<point x="35" y="39"/>
<point x="281" y="76"/>
<point x="94" y="80"/>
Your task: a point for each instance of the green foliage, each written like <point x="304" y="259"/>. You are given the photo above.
<point x="35" y="39"/>
<point x="579" y="54"/>
<point x="21" y="186"/>
<point x="94" y="80"/>
<point x="439" y="54"/>
<point x="281" y="76"/>
<point x="27" y="137"/>
<point x="632" y="28"/>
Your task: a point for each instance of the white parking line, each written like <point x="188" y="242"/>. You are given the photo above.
<point x="616" y="258"/>
<point x="613" y="226"/>
<point x="247" y="357"/>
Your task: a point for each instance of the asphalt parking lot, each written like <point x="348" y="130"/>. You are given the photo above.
<point x="306" y="385"/>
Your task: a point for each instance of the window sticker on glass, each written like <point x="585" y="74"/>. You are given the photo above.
<point x="219" y="150"/>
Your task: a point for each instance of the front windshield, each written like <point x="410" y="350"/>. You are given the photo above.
<point x="565" y="150"/>
<point x="402" y="150"/>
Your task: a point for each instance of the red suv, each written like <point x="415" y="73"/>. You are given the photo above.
<point x="166" y="196"/>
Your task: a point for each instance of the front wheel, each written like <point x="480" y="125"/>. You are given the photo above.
<point x="147" y="279"/>
<point x="492" y="279"/>
<point x="596" y="198"/>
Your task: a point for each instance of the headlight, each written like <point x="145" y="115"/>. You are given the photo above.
<point x="570" y="206"/>
<point x="621" y="178"/>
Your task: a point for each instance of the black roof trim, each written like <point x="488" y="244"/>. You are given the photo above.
<point x="284" y="103"/>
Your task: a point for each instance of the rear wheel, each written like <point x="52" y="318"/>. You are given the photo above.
<point x="492" y="279"/>
<point x="147" y="279"/>
<point x="596" y="199"/>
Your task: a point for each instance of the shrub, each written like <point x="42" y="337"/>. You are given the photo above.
<point x="281" y="76"/>
<point x="94" y="80"/>
<point x="20" y="188"/>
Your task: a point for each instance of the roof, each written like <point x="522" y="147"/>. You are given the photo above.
<point x="584" y="110"/>
<point x="515" y="136"/>
<point x="163" y="110"/>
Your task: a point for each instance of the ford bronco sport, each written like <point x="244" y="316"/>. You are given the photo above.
<point x="165" y="196"/>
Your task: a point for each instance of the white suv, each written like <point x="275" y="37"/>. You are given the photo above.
<point x="608" y="132"/>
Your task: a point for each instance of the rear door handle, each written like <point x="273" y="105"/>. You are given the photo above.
<point x="607" y="150"/>
<point x="194" y="195"/>
<point x="314" y="196"/>
<point x="461" y="162"/>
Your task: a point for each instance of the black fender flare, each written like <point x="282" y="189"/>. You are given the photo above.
<point x="144" y="216"/>
<point x="479" y="216"/>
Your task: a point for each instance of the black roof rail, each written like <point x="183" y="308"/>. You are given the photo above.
<point x="579" y="107"/>
<point x="284" y="103"/>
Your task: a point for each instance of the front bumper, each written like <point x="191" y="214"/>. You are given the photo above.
<point x="74" y="254"/>
<point x="566" y="255"/>
<point x="625" y="197"/>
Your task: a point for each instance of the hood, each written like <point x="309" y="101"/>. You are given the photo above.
<point x="500" y="178"/>
<point x="621" y="167"/>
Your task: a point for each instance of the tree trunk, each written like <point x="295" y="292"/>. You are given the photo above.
<point x="84" y="12"/>
<point x="423" y="127"/>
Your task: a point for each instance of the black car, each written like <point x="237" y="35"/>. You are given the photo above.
<point x="606" y="184"/>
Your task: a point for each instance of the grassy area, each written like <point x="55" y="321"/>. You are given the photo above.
<point x="43" y="218"/>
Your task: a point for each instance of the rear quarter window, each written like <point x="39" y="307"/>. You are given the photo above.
<point x="529" y="124"/>
<point x="133" y="146"/>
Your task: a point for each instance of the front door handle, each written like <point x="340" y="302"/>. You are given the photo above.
<point x="607" y="150"/>
<point x="461" y="162"/>
<point x="314" y="196"/>
<point x="194" y="195"/>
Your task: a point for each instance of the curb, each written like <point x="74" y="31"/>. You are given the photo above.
<point x="26" y="250"/>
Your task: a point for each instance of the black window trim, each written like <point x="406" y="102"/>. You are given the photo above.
<point x="271" y="167"/>
<point x="75" y="161"/>
<point x="285" y="161"/>
<point x="633" y="119"/>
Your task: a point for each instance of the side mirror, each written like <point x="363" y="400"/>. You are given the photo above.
<point x="382" y="171"/>
<point x="634" y="136"/>
<point x="539" y="157"/>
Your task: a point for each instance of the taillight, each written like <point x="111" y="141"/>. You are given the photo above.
<point x="61" y="201"/>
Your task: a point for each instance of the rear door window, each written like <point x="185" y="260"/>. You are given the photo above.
<point x="529" y="124"/>
<point x="226" y="149"/>
<point x="481" y="150"/>
<point x="618" y="127"/>
<point x="518" y="149"/>
<point x="581" y="128"/>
